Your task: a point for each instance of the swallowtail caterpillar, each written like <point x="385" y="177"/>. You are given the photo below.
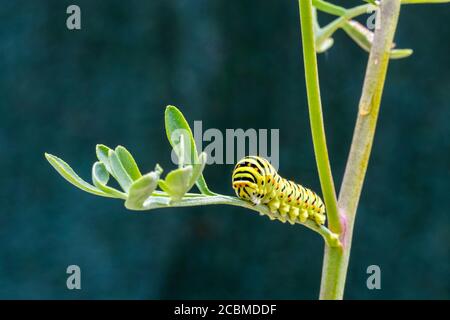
<point x="256" y="180"/>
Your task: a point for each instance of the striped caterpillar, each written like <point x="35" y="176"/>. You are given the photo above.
<point x="256" y="180"/>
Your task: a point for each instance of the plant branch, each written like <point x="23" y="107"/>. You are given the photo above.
<point x="368" y="108"/>
<point x="329" y="7"/>
<point x="315" y="114"/>
<point x="336" y="261"/>
<point x="160" y="200"/>
<point x="330" y="28"/>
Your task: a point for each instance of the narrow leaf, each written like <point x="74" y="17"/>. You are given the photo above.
<point x="373" y="2"/>
<point x="174" y="120"/>
<point x="324" y="45"/>
<point x="100" y="177"/>
<point x="128" y="162"/>
<point x="197" y="170"/>
<point x="67" y="173"/>
<point x="203" y="187"/>
<point x="364" y="38"/>
<point x="401" y="53"/>
<point x="176" y="125"/>
<point x="102" y="153"/>
<point x="119" y="171"/>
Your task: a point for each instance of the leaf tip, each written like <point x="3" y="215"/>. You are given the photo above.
<point x="158" y="169"/>
<point x="401" y="53"/>
<point x="171" y="108"/>
<point x="49" y="157"/>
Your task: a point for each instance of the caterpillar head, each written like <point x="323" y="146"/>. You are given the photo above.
<point x="247" y="191"/>
<point x="247" y="181"/>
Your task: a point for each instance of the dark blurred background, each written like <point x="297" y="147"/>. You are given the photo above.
<point x="233" y="65"/>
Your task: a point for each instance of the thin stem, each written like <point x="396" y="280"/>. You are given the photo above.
<point x="160" y="200"/>
<point x="369" y="108"/>
<point x="336" y="260"/>
<point x="330" y="28"/>
<point x="315" y="114"/>
<point x="329" y="7"/>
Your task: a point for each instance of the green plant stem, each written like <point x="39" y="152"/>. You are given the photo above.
<point x="328" y="7"/>
<point x="160" y="200"/>
<point x="335" y="259"/>
<point x="336" y="10"/>
<point x="330" y="28"/>
<point x="315" y="114"/>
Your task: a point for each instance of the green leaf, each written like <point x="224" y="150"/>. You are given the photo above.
<point x="197" y="170"/>
<point x="176" y="125"/>
<point x="128" y="162"/>
<point x="158" y="169"/>
<point x="329" y="8"/>
<point x="373" y="2"/>
<point x="141" y="190"/>
<point x="67" y="173"/>
<point x="119" y="171"/>
<point x="324" y="45"/>
<point x="102" y="153"/>
<point x="358" y="33"/>
<point x="100" y="177"/>
<point x="400" y="53"/>
<point x="203" y="187"/>
<point x="177" y="182"/>
<point x="364" y="38"/>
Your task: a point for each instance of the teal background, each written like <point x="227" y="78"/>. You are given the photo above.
<point x="232" y="65"/>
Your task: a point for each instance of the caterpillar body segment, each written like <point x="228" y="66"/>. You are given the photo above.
<point x="256" y="180"/>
